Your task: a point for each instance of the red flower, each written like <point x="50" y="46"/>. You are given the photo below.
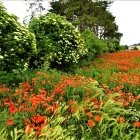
<point x="28" y="128"/>
<point x="70" y="102"/>
<point x="73" y="109"/>
<point x="26" y="121"/>
<point x="89" y="114"/>
<point x="43" y="82"/>
<point x="10" y="121"/>
<point x="91" y="123"/>
<point x="13" y="109"/>
<point x="6" y="101"/>
<point x="136" y="124"/>
<point x="97" y="118"/>
<point x="121" y="120"/>
<point x="125" y="103"/>
<point x="122" y="94"/>
<point x="38" y="118"/>
<point x="61" y="98"/>
<point x="138" y="96"/>
<point x="39" y="73"/>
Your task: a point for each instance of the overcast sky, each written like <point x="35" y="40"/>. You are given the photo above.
<point x="127" y="13"/>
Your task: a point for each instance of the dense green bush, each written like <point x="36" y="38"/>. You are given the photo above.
<point x="135" y="48"/>
<point x="122" y="47"/>
<point x="17" y="44"/>
<point x="95" y="45"/>
<point x="57" y="41"/>
<point x="113" y="45"/>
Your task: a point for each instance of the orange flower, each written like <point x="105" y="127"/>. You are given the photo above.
<point x="13" y="109"/>
<point x="70" y="102"/>
<point x="121" y="120"/>
<point x="39" y="73"/>
<point x="26" y="121"/>
<point x="61" y="98"/>
<point x="122" y="94"/>
<point x="43" y="82"/>
<point x="89" y="114"/>
<point x="91" y="123"/>
<point x="125" y="103"/>
<point x="38" y="118"/>
<point x="138" y="96"/>
<point x="73" y="109"/>
<point x="6" y="101"/>
<point x="10" y="121"/>
<point x="28" y="128"/>
<point x="136" y="124"/>
<point x="97" y="118"/>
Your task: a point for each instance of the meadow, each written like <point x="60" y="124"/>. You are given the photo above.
<point x="100" y="99"/>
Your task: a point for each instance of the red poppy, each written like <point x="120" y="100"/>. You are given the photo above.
<point x="121" y="120"/>
<point x="10" y="121"/>
<point x="26" y="121"/>
<point x="13" y="109"/>
<point x="97" y="118"/>
<point x="89" y="114"/>
<point x="38" y="118"/>
<point x="6" y="101"/>
<point x="91" y="123"/>
<point x="136" y="124"/>
<point x="61" y="98"/>
<point x="125" y="103"/>
<point x="43" y="82"/>
<point x="28" y="128"/>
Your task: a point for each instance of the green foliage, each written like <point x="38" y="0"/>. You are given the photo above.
<point x="17" y="44"/>
<point x="95" y="45"/>
<point x="68" y="102"/>
<point x="135" y="48"/>
<point x="57" y="40"/>
<point x="88" y="14"/>
<point x="34" y="8"/>
<point x="122" y="47"/>
<point x="113" y="45"/>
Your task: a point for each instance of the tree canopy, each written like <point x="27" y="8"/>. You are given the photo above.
<point x="34" y="8"/>
<point x="88" y="14"/>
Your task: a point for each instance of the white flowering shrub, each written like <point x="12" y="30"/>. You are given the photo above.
<point x="57" y="40"/>
<point x="17" y="44"/>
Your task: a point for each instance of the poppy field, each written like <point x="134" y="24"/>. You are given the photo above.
<point x="100" y="100"/>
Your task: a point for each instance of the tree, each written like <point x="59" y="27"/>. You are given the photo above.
<point x="88" y="14"/>
<point x="34" y="8"/>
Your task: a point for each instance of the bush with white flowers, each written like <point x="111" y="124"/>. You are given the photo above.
<point x="17" y="44"/>
<point x="57" y="40"/>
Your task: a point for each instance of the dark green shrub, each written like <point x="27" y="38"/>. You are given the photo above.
<point x="121" y="47"/>
<point x="135" y="48"/>
<point x="57" y="41"/>
<point x="113" y="45"/>
<point x="94" y="45"/>
<point x="17" y="44"/>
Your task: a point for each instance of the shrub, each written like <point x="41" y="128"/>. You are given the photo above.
<point x="17" y="44"/>
<point x="57" y="41"/>
<point x="95" y="45"/>
<point x="121" y="47"/>
<point x="113" y="45"/>
<point x="135" y="48"/>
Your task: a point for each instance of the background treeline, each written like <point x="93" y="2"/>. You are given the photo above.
<point x="72" y="30"/>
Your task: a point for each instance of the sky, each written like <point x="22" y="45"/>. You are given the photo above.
<point x="126" y="12"/>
